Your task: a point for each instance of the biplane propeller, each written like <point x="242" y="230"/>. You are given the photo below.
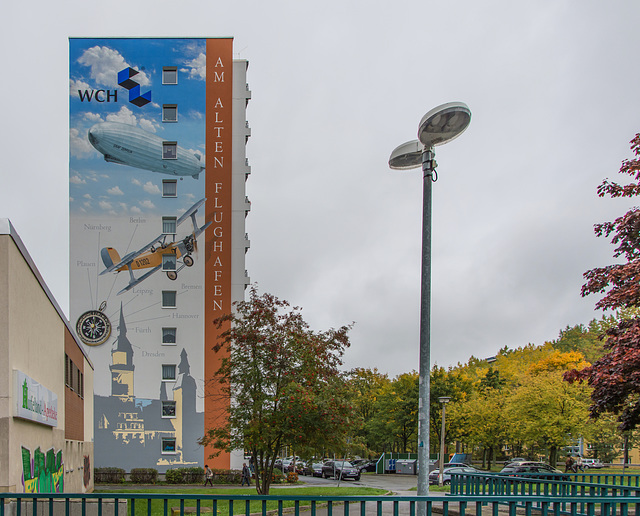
<point x="170" y="256"/>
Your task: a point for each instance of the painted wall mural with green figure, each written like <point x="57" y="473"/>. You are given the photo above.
<point x="42" y="473"/>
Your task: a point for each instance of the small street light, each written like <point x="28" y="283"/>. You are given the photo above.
<point x="439" y="126"/>
<point x="444" y="400"/>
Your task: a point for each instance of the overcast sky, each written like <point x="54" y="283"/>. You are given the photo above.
<point x="554" y="90"/>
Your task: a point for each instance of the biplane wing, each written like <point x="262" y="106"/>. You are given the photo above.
<point x="201" y="230"/>
<point x="190" y="211"/>
<point x="134" y="282"/>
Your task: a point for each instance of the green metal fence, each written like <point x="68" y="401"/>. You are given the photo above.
<point x="574" y="494"/>
<point x="129" y="504"/>
<point x="544" y="484"/>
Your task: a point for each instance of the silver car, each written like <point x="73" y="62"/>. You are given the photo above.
<point x="446" y="475"/>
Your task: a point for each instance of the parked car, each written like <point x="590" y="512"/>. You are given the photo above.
<point x="446" y="475"/>
<point x="340" y="469"/>
<point x="364" y="464"/>
<point x="370" y="466"/>
<point x="312" y="468"/>
<point x="458" y="465"/>
<point x="534" y="469"/>
<point x="592" y="463"/>
<point x="514" y="459"/>
<point x="286" y="466"/>
<point x="521" y="463"/>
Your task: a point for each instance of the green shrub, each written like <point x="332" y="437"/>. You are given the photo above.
<point x="193" y="475"/>
<point x="144" y="475"/>
<point x="109" y="476"/>
<point x="227" y="476"/>
<point x="174" y="476"/>
<point x="292" y="477"/>
<point x="277" y="477"/>
<point x="196" y="476"/>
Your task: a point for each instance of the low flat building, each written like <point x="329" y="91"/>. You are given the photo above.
<point x="46" y="383"/>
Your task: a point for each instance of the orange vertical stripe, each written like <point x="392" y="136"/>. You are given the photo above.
<point x="217" y="295"/>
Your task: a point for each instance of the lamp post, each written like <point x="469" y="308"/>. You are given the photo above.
<point x="440" y="125"/>
<point x="444" y="400"/>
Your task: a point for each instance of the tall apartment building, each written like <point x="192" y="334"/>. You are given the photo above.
<point x="157" y="171"/>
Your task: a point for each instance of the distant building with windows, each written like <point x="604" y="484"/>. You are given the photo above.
<point x="157" y="203"/>
<point x="46" y="384"/>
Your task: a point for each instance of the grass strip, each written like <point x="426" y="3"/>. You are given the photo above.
<point x="239" y="506"/>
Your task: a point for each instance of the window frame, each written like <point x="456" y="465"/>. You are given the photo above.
<point x="169" y="262"/>
<point x="168" y="403"/>
<point x="173" y="221"/>
<point x="169" y="331"/>
<point x="173" y="145"/>
<point x="175" y="373"/>
<point x="166" y="182"/>
<point x="169" y="107"/>
<point x="166" y="70"/>
<point x="175" y="298"/>
<point x="168" y="440"/>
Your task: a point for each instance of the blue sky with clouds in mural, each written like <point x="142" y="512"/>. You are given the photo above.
<point x="99" y="187"/>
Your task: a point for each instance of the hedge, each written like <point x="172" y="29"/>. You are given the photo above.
<point x="176" y="476"/>
<point x="144" y="475"/>
<point x="109" y="475"/>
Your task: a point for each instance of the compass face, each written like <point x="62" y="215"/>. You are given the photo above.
<point x="93" y="328"/>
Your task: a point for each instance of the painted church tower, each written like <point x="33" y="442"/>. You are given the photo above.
<point x="122" y="364"/>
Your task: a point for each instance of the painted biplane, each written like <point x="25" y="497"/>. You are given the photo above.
<point x="160" y="253"/>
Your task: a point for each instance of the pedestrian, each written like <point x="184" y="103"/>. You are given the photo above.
<point x="251" y="466"/>
<point x="246" y="475"/>
<point x="208" y="475"/>
<point x="568" y="464"/>
<point x="579" y="464"/>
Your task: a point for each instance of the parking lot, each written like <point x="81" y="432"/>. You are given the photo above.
<point x="400" y="484"/>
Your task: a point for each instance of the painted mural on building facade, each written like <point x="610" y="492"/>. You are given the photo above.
<point x="42" y="472"/>
<point x="137" y="217"/>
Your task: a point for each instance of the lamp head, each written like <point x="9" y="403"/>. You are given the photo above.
<point x="406" y="156"/>
<point x="443" y="124"/>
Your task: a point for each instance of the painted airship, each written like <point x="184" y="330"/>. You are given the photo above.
<point x="129" y="145"/>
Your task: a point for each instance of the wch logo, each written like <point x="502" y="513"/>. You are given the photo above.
<point x="125" y="80"/>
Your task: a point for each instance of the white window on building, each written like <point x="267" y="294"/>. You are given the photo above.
<point x="169" y="188"/>
<point x="168" y="408"/>
<point x="169" y="225"/>
<point x="169" y="112"/>
<point x="168" y="372"/>
<point x="169" y="298"/>
<point x="169" y="75"/>
<point x="169" y="150"/>
<point x="169" y="336"/>
<point x="168" y="445"/>
<point x="169" y="262"/>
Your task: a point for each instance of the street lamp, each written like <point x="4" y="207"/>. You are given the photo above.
<point x="440" y="125"/>
<point x="444" y="400"/>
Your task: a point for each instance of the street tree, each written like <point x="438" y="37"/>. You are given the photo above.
<point x="546" y="413"/>
<point x="281" y="383"/>
<point x="480" y="422"/>
<point x="453" y="384"/>
<point x="367" y="387"/>
<point x="585" y="339"/>
<point x="397" y="413"/>
<point x="615" y="377"/>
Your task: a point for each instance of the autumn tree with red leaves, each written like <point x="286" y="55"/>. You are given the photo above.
<point x="282" y="382"/>
<point x="615" y="378"/>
